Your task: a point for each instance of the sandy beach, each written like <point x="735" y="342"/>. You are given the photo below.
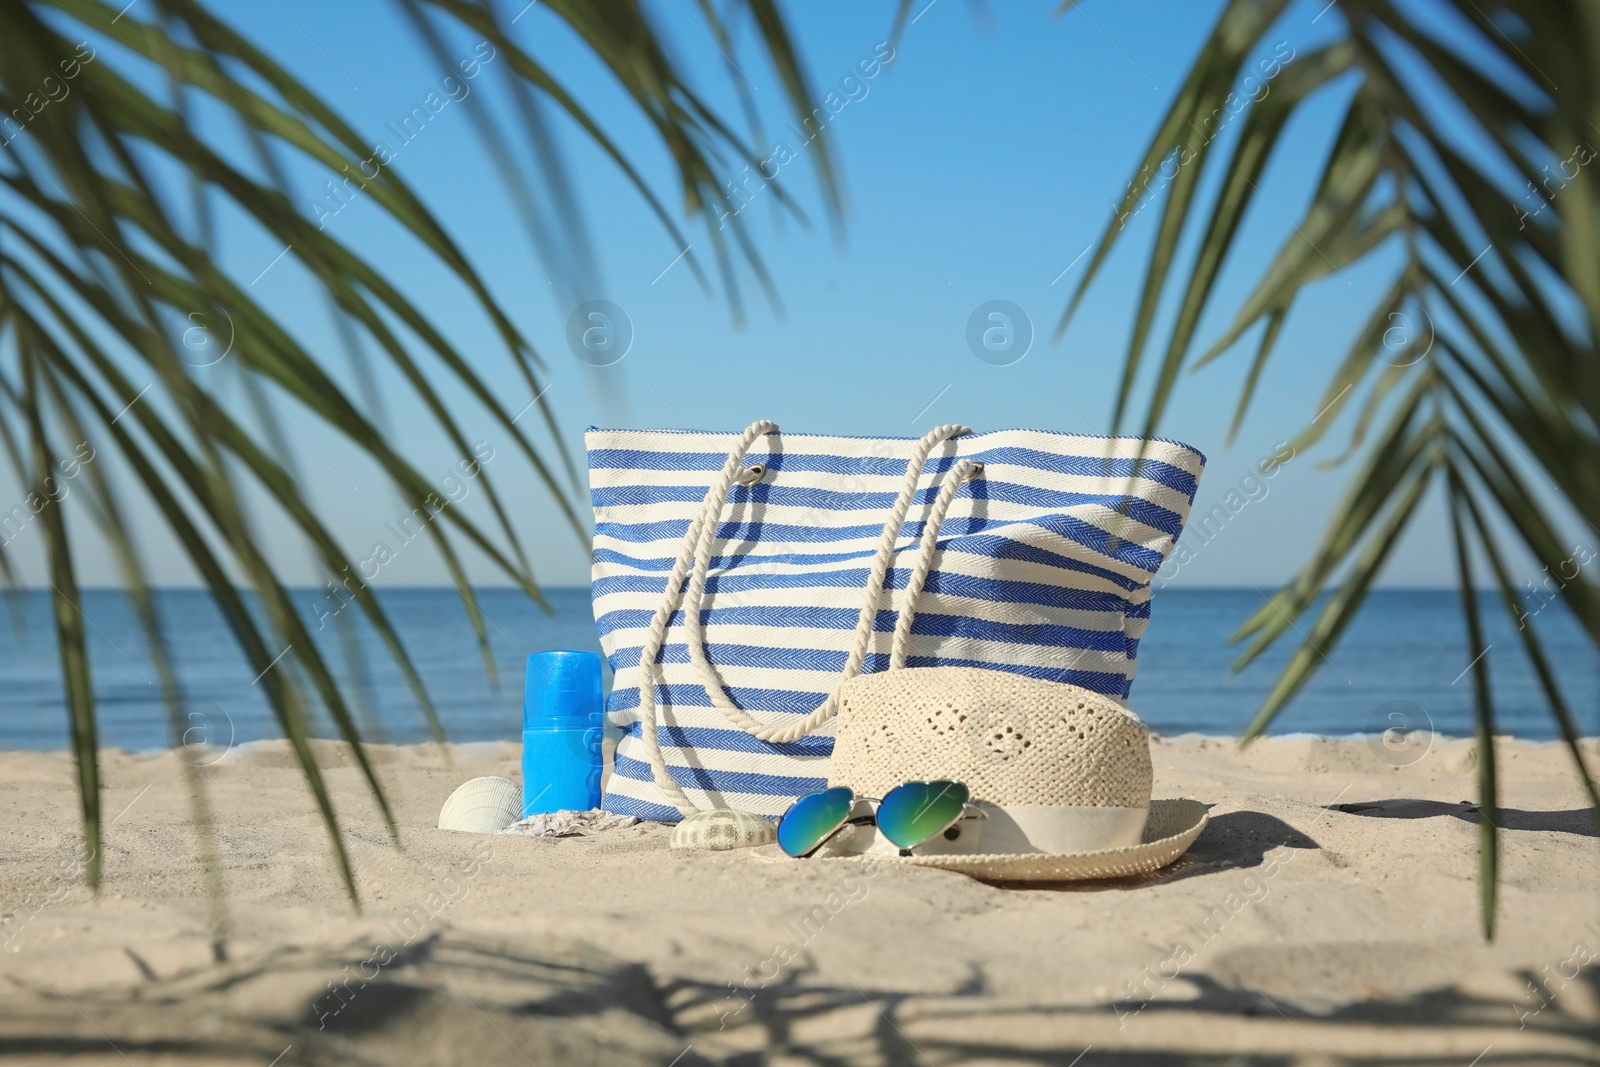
<point x="1328" y="915"/>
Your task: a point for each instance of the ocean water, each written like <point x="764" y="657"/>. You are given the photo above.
<point x="1406" y="645"/>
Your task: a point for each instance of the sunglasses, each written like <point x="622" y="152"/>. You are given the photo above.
<point x="908" y="815"/>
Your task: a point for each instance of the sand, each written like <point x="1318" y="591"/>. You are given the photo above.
<point x="1328" y="915"/>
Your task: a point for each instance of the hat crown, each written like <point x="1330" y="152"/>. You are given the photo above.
<point x="1010" y="738"/>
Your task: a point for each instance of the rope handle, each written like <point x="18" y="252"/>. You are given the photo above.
<point x="963" y="471"/>
<point x="694" y="560"/>
<point x="656" y="636"/>
<point x="872" y="593"/>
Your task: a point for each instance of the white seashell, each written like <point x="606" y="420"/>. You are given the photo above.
<point x="723" y="829"/>
<point x="482" y="806"/>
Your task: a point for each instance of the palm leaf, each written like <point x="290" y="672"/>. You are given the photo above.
<point x="1533" y="645"/>
<point x="109" y="518"/>
<point x="1488" y="784"/>
<point x="1510" y="385"/>
<point x="95" y="259"/>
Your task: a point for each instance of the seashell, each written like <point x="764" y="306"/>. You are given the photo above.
<point x="482" y="806"/>
<point x="723" y="829"/>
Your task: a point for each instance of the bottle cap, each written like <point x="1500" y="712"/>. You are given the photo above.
<point x="562" y="689"/>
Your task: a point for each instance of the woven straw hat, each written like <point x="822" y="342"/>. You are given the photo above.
<point x="1063" y="773"/>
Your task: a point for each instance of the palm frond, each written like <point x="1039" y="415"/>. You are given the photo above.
<point x="1507" y="384"/>
<point x="96" y="260"/>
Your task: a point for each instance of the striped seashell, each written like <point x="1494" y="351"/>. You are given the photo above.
<point x="482" y="806"/>
<point x="723" y="829"/>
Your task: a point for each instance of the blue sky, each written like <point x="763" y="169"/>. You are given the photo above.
<point x="979" y="165"/>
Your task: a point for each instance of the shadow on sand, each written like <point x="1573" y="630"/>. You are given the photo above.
<point x="457" y="999"/>
<point x="1579" y="821"/>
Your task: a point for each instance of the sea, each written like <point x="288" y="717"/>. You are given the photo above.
<point x="1404" y="655"/>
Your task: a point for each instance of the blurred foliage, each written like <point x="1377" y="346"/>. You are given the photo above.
<point x="1475" y="374"/>
<point x="114" y="173"/>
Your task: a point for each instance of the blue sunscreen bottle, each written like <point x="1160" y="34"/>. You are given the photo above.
<point x="562" y="727"/>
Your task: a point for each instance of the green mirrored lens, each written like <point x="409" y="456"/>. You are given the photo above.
<point x="812" y="818"/>
<point x="916" y="811"/>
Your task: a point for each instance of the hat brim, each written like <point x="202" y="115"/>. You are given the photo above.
<point x="1169" y="830"/>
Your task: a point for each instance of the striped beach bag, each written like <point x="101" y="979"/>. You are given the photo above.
<point x="739" y="578"/>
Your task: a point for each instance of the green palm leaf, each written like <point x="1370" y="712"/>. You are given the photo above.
<point x="1509" y="386"/>
<point x="96" y="259"/>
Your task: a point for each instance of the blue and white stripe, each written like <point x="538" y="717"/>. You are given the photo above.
<point x="1044" y="569"/>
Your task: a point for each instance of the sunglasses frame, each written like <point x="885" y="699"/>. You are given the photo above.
<point x="969" y="810"/>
